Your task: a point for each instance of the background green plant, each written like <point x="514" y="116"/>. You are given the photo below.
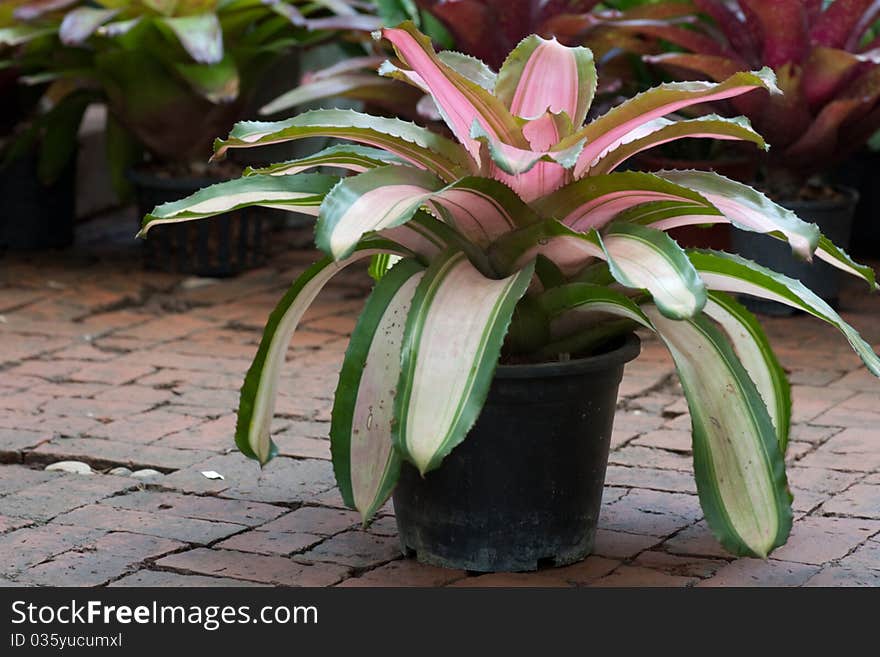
<point x="173" y="73"/>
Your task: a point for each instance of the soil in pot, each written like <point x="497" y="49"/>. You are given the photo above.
<point x="524" y="489"/>
<point x="833" y="214"/>
<point x="35" y="216"/>
<point x="219" y="247"/>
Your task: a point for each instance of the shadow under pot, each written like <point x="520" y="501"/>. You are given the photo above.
<point x="834" y="217"/>
<point x="524" y="489"/>
<point x="218" y="247"/>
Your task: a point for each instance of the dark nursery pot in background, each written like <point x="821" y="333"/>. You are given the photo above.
<point x="525" y="487"/>
<point x="863" y="172"/>
<point x="221" y="247"/>
<point x="35" y="216"/>
<point x="834" y="218"/>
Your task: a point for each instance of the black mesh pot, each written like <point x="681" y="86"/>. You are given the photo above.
<point x="525" y="487"/>
<point x="35" y="216"/>
<point x="835" y="220"/>
<point x="217" y="247"/>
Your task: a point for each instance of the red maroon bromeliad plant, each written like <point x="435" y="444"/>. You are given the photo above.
<point x="524" y="225"/>
<point x="825" y="62"/>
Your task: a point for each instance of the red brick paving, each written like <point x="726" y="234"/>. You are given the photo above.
<point x="105" y="363"/>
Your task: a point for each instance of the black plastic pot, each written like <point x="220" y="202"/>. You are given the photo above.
<point x="35" y="216"/>
<point x="218" y="247"/>
<point x="863" y="172"/>
<point x="835" y="220"/>
<point x="525" y="487"/>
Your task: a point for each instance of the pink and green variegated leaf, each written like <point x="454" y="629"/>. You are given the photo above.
<point x="738" y="465"/>
<point x="747" y="208"/>
<point x="365" y="461"/>
<point x="425" y="236"/>
<point x="413" y="143"/>
<point x="837" y="257"/>
<point x="479" y="209"/>
<point x="350" y="157"/>
<point x="838" y="23"/>
<point x="536" y="172"/>
<point x="373" y="201"/>
<point x="540" y="75"/>
<point x="559" y="303"/>
<point x="569" y="250"/>
<point x="757" y="357"/>
<point x="594" y="201"/>
<point x="472" y="68"/>
<point x="79" y="24"/>
<point x="709" y="67"/>
<point x="201" y="35"/>
<point x="665" y="215"/>
<point x="583" y="319"/>
<point x="459" y="100"/>
<point x="726" y="272"/>
<point x="257" y="402"/>
<point x="638" y="257"/>
<point x="514" y="161"/>
<point x="453" y="337"/>
<point x="784" y="28"/>
<point x="542" y="179"/>
<point x="611" y="129"/>
<point x="303" y="193"/>
<point x="710" y="126"/>
<point x="646" y="259"/>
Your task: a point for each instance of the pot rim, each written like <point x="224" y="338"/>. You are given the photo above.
<point x="850" y="199"/>
<point x="624" y="353"/>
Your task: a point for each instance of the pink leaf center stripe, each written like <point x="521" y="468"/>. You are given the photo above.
<point x="478" y="209"/>
<point x="610" y="130"/>
<point x="549" y="81"/>
<point x="542" y="75"/>
<point x="459" y="100"/>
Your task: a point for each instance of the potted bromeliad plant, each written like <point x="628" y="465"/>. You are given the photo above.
<point x="513" y="265"/>
<point x="174" y="74"/>
<point x="39" y="122"/>
<point x="827" y="62"/>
